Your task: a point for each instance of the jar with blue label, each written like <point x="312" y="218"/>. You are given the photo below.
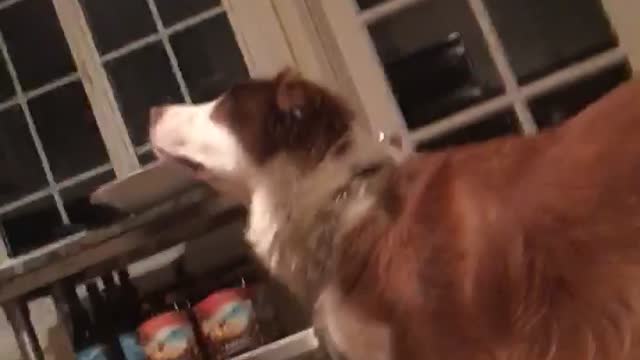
<point x="95" y="352"/>
<point x="131" y="346"/>
<point x="227" y="321"/>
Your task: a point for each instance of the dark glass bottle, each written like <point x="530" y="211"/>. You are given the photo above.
<point x="130" y="301"/>
<point x="129" y="318"/>
<point x="82" y="332"/>
<point x="110" y="289"/>
<point x="113" y="314"/>
<point x="101" y="321"/>
<point x="103" y="348"/>
<point x="148" y="309"/>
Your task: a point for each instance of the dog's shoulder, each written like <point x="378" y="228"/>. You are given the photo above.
<point x="515" y="241"/>
<point x="528" y="239"/>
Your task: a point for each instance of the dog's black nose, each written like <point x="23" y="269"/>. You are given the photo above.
<point x="155" y="114"/>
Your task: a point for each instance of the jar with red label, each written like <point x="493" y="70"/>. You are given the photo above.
<point x="169" y="336"/>
<point x="227" y="321"/>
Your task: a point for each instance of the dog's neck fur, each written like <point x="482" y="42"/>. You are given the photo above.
<point x="297" y="217"/>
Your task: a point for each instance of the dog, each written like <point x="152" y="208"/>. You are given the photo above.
<point x="518" y="248"/>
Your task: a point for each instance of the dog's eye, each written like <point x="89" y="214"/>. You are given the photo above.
<point x="296" y="113"/>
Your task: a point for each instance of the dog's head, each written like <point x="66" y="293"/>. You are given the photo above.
<point x="235" y="137"/>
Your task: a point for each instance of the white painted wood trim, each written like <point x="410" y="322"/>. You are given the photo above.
<point x="175" y="28"/>
<point x="304" y="42"/>
<point x="259" y="35"/>
<point x="275" y="34"/>
<point x="316" y="55"/>
<point x="4" y="254"/>
<point x="507" y="75"/>
<point x="385" y="10"/>
<point x="173" y="60"/>
<point x="549" y="83"/>
<point x="460" y="119"/>
<point x="355" y="47"/>
<point x="625" y="18"/>
<point x="574" y="73"/>
<point x="97" y="86"/>
<point x="33" y="131"/>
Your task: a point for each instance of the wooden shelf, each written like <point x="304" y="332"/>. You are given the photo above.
<point x="290" y="347"/>
<point x="188" y="212"/>
<point x="189" y="215"/>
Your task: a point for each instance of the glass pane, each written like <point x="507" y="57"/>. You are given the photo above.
<point x="31" y="29"/>
<point x="22" y="171"/>
<point x="435" y="67"/>
<point x="115" y="23"/>
<point x="555" y="107"/>
<point x="172" y="11"/>
<point x="79" y="207"/>
<point x="146" y="157"/>
<point x="543" y="35"/>
<point x="68" y="131"/>
<point x="365" y="4"/>
<point x="7" y="89"/>
<point x="493" y="127"/>
<point x="143" y="79"/>
<point x="29" y="227"/>
<point x="209" y="58"/>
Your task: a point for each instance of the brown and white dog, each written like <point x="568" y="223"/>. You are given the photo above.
<point x="521" y="248"/>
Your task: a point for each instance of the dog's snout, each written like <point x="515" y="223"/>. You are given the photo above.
<point x="155" y="114"/>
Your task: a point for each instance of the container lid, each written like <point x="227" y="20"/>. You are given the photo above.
<point x="174" y="318"/>
<point x="214" y="301"/>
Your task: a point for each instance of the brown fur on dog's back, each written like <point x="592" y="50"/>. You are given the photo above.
<point x="520" y="248"/>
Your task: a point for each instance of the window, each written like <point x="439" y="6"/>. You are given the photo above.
<point x="495" y="126"/>
<point x="440" y="83"/>
<point x="66" y="129"/>
<point x="449" y="72"/>
<point x="564" y="102"/>
<point x="50" y="136"/>
<point x="77" y="77"/>
<point x="439" y="69"/>
<point x="163" y="51"/>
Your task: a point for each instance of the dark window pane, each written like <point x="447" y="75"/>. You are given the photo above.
<point x="365" y="4"/>
<point x="209" y="58"/>
<point x="493" y="127"/>
<point x="79" y="207"/>
<point x="435" y="67"/>
<point x="22" y="171"/>
<point x="7" y="89"/>
<point x="31" y="226"/>
<point x="68" y="131"/>
<point x="143" y="79"/>
<point x="562" y="104"/>
<point x="146" y="158"/>
<point x="36" y="43"/>
<point x="115" y="23"/>
<point x="172" y="11"/>
<point x="543" y="35"/>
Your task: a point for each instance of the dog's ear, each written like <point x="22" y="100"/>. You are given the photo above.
<point x="294" y="96"/>
<point x="308" y="118"/>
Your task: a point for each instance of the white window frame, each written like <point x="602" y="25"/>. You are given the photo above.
<point x="327" y="40"/>
<point x="353" y="56"/>
<point x="257" y="30"/>
<point x="624" y="17"/>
